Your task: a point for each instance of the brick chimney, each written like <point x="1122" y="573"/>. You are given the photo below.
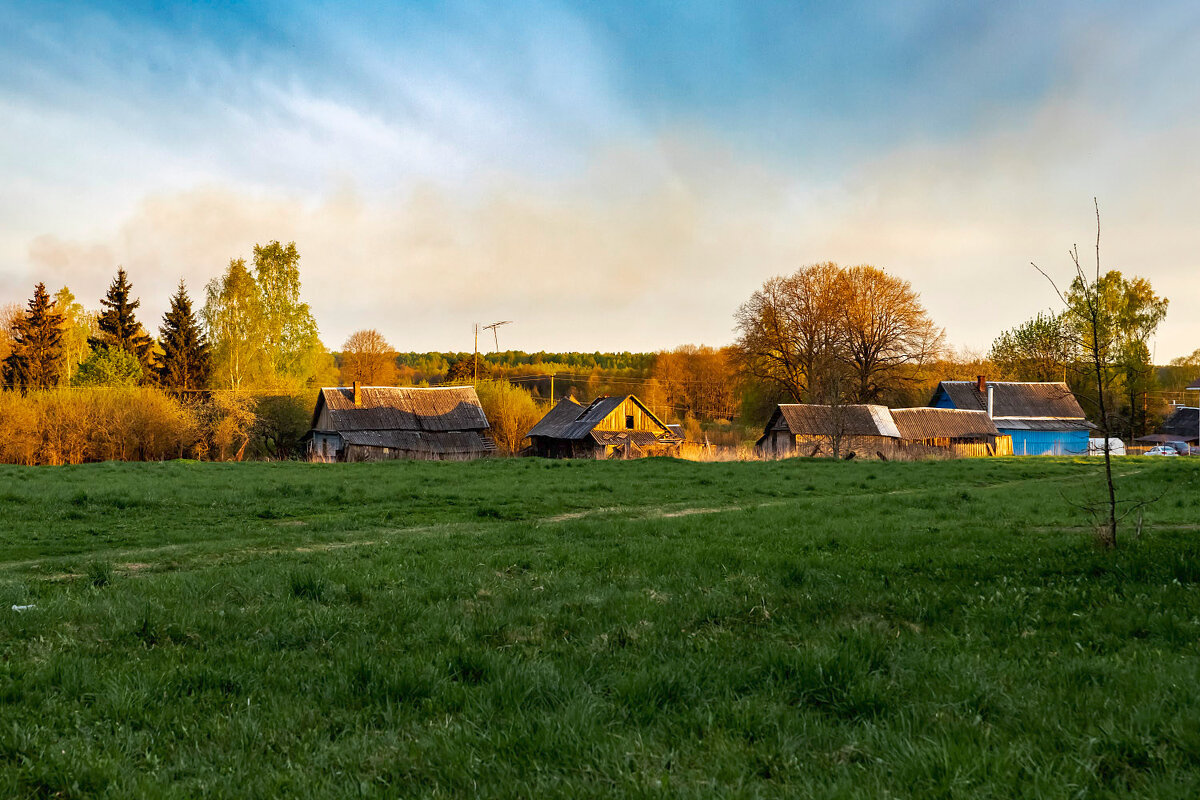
<point x="357" y="394"/>
<point x="981" y="383"/>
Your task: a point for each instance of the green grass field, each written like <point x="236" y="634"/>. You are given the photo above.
<point x="523" y="628"/>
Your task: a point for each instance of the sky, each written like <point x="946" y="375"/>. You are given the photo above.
<point x="607" y="175"/>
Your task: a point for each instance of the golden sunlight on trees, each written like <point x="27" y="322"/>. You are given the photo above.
<point x="262" y="336"/>
<point x="694" y="381"/>
<point x="369" y="359"/>
<point x="828" y="333"/>
<point x="510" y="411"/>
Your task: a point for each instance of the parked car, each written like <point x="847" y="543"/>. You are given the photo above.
<point x="1180" y="447"/>
<point x="1162" y="450"/>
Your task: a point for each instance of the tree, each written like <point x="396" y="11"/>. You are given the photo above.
<point x="1132" y="313"/>
<point x="461" y="371"/>
<point x="789" y="333"/>
<point x="510" y="412"/>
<point x="36" y="358"/>
<point x="109" y="366"/>
<point x="885" y="328"/>
<point x="1107" y="313"/>
<point x="233" y="320"/>
<point x="368" y="359"/>
<point x="79" y="326"/>
<point x="117" y="325"/>
<point x="186" y="362"/>
<point x="829" y="333"/>
<point x="289" y="331"/>
<point x="1040" y="349"/>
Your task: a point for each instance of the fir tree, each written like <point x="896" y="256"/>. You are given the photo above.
<point x="36" y="358"/>
<point x="118" y="327"/>
<point x="185" y="362"/>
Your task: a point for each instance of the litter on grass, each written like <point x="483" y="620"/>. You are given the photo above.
<point x="24" y="608"/>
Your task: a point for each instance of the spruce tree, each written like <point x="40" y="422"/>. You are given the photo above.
<point x="185" y="362"/>
<point x="118" y="327"/>
<point x="36" y="358"/>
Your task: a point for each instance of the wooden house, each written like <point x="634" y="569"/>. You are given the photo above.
<point x="855" y="431"/>
<point x="372" y="423"/>
<point x="609" y="427"/>
<point x="874" y="431"/>
<point x="1183" y="425"/>
<point x="1041" y="418"/>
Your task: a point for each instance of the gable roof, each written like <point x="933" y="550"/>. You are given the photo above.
<point x="402" y="408"/>
<point x="1183" y="422"/>
<point x="943" y="423"/>
<point x="570" y="420"/>
<point x="851" y="420"/>
<point x="1014" y="399"/>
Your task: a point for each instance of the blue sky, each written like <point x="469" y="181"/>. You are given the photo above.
<point x="614" y="175"/>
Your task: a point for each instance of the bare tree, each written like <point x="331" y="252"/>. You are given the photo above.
<point x="1098" y="346"/>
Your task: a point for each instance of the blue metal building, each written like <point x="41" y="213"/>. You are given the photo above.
<point x="1041" y="418"/>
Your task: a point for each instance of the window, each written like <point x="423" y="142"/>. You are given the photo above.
<point x="629" y="422"/>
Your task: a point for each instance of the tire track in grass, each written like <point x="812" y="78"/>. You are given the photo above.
<point x="139" y="560"/>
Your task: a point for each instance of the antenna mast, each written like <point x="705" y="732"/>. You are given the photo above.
<point x="493" y="327"/>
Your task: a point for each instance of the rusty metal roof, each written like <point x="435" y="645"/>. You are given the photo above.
<point x="1013" y="399"/>
<point x="640" y="438"/>
<point x="445" y="442"/>
<point x="804" y="419"/>
<point x="943" y="423"/>
<point x="403" y="408"/>
<point x="570" y="420"/>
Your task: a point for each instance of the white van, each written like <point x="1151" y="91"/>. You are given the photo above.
<point x="1115" y="446"/>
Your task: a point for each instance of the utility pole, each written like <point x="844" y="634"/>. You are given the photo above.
<point x="551" y="388"/>
<point x="475" y="373"/>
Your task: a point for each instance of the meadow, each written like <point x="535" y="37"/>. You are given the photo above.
<point x="657" y="628"/>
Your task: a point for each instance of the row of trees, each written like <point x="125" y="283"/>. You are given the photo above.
<point x="253" y="332"/>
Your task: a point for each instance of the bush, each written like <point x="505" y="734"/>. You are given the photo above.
<point x="63" y="426"/>
<point x="510" y="411"/>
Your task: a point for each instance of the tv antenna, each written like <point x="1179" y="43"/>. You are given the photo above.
<point x="493" y="327"/>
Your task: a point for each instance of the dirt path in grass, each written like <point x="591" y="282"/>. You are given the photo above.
<point x="141" y="560"/>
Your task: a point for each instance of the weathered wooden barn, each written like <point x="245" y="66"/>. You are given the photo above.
<point x="372" y="423"/>
<point x="609" y="427"/>
<point x="855" y="431"/>
<point x="1041" y="418"/>
<point x="874" y="431"/>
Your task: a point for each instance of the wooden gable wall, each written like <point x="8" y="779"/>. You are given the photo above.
<point x="617" y="419"/>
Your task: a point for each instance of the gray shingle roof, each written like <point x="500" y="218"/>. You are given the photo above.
<point x="850" y="420"/>
<point x="1012" y="399"/>
<point x="403" y="408"/>
<point x="943" y="423"/>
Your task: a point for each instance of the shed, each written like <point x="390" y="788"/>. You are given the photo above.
<point x="608" y="427"/>
<point x="1041" y="418"/>
<point x="965" y="433"/>
<point x="866" y="431"/>
<point x="371" y="423"/>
